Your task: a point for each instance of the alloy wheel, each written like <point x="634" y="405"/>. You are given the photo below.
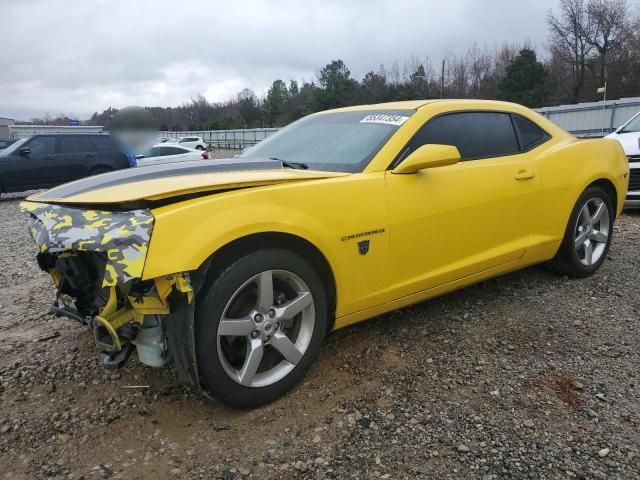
<point x="592" y="231"/>
<point x="266" y="328"/>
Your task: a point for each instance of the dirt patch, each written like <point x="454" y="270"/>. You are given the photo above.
<point x="565" y="389"/>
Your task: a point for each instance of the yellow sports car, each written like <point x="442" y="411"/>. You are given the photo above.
<point x="234" y="270"/>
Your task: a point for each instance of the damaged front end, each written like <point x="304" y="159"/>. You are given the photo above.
<point x="96" y="259"/>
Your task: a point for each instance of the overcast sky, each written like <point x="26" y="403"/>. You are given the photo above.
<point x="80" y="56"/>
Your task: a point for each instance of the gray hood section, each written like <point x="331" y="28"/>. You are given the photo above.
<point x="139" y="174"/>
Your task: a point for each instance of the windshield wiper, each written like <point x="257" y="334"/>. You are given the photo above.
<point x="295" y="165"/>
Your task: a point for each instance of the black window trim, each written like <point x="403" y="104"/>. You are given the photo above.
<point x="403" y="153"/>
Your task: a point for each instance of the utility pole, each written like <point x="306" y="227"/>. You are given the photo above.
<point x="442" y="80"/>
<point x="603" y="90"/>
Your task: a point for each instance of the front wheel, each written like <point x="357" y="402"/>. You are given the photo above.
<point x="259" y="327"/>
<point x="199" y="147"/>
<point x="588" y="235"/>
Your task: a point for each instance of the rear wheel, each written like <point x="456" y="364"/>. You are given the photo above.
<point x="199" y="147"/>
<point x="259" y="327"/>
<point x="588" y="235"/>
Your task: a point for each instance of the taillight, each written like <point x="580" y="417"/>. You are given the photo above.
<point x="205" y="155"/>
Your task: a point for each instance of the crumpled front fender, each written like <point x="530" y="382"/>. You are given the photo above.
<point x="122" y="236"/>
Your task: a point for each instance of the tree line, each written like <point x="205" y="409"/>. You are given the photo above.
<point x="590" y="43"/>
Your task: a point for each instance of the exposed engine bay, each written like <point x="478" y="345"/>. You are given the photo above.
<point x="96" y="259"/>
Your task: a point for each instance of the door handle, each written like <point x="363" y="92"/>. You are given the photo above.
<point x="524" y="175"/>
<point x="90" y="155"/>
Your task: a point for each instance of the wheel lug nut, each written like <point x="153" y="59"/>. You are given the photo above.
<point x="272" y="313"/>
<point x="255" y="334"/>
<point x="258" y="318"/>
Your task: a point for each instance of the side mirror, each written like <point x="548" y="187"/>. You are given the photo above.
<point x="24" y="151"/>
<point x="138" y="157"/>
<point x="428" y="156"/>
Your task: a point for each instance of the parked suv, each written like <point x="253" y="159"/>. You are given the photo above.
<point x="629" y="136"/>
<point x="44" y="161"/>
<point x="192" y="142"/>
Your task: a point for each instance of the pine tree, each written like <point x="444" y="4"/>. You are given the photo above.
<point x="526" y="81"/>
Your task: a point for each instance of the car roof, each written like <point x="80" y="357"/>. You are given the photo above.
<point x="418" y="104"/>
<point x="164" y="144"/>
<point x="404" y="105"/>
<point x="69" y="135"/>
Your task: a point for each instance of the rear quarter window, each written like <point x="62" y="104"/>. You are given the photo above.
<point x="530" y="135"/>
<point x="75" y="144"/>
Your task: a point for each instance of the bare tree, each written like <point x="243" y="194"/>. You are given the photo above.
<point x="570" y="41"/>
<point x="612" y="27"/>
<point x="481" y="72"/>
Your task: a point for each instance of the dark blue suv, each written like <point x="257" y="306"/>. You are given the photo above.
<point x="44" y="161"/>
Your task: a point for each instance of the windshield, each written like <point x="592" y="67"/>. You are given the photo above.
<point x="13" y="147"/>
<point x="632" y="126"/>
<point x="341" y="141"/>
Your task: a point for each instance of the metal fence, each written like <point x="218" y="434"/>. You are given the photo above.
<point x="594" y="119"/>
<point x="241" y="138"/>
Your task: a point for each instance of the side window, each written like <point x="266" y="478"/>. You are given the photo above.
<point x="104" y="143"/>
<point x="74" y="144"/>
<point x="529" y="134"/>
<point x="173" y="151"/>
<point x="155" y="152"/>
<point x="476" y="134"/>
<point x="42" y="145"/>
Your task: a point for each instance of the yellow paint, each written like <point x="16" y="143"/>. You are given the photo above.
<point x="90" y="215"/>
<point x="436" y="230"/>
<point x="66" y="222"/>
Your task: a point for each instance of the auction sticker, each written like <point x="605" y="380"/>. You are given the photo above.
<point x="385" y="119"/>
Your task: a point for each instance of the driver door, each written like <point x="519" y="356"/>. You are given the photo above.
<point x="30" y="170"/>
<point x="450" y="222"/>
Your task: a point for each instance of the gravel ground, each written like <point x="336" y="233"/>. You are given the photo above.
<point x="526" y="376"/>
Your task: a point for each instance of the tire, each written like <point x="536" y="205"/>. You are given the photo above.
<point x="99" y="170"/>
<point x="596" y="230"/>
<point x="223" y="348"/>
<point x="199" y="147"/>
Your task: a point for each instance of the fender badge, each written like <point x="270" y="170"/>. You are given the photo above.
<point x="363" y="247"/>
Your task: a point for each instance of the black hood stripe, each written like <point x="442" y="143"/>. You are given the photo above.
<point x="133" y="175"/>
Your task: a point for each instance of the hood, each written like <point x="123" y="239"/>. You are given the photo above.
<point x="159" y="182"/>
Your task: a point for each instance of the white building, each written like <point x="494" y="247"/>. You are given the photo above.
<point x="5" y="123"/>
<point x="21" y="131"/>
